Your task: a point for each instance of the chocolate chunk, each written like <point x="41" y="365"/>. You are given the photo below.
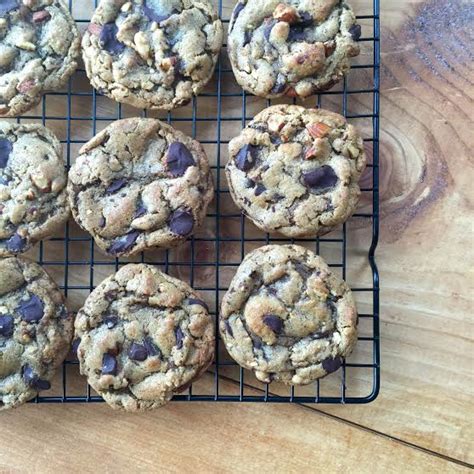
<point x="111" y="321"/>
<point x="153" y="15"/>
<point x="109" y="365"/>
<point x="178" y="159"/>
<point x="275" y="139"/>
<point x="246" y="157"/>
<point x="304" y="271"/>
<point x="305" y="20"/>
<point x="141" y="210"/>
<point x="6" y="325"/>
<point x="116" y="185"/>
<point x="322" y="335"/>
<point x="247" y="37"/>
<point x="151" y="348"/>
<point x="7" y="6"/>
<point x="228" y="328"/>
<point x="259" y="189"/>
<point x="238" y="8"/>
<point x="108" y="39"/>
<point x="123" y="244"/>
<point x="75" y="345"/>
<point x="297" y="33"/>
<point x="102" y="222"/>
<point x="33" y="380"/>
<point x="15" y="243"/>
<point x="355" y="31"/>
<point x="268" y="29"/>
<point x="331" y="365"/>
<point x="280" y="85"/>
<point x="179" y="337"/>
<point x="31" y="310"/>
<point x="137" y="352"/>
<point x="321" y="179"/>
<point x="273" y="322"/>
<point x="6" y="148"/>
<point x="181" y="222"/>
<point x="257" y="342"/>
<point x="198" y="302"/>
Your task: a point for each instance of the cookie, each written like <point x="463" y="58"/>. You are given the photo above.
<point x="33" y="196"/>
<point x="287" y="317"/>
<point x="39" y="49"/>
<point x="35" y="331"/>
<point x="153" y="54"/>
<point x="296" y="171"/>
<point x="295" y="48"/>
<point x="140" y="184"/>
<point x="143" y="336"/>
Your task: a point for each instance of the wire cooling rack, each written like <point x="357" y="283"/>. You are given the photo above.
<point x="209" y="259"/>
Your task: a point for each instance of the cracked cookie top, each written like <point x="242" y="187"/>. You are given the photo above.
<point x="152" y="53"/>
<point x="35" y="331"/>
<point x="139" y="184"/>
<point x="33" y="197"/>
<point x="296" y="171"/>
<point x="287" y="317"/>
<point x="143" y="336"/>
<point x="39" y="48"/>
<point x="295" y="48"/>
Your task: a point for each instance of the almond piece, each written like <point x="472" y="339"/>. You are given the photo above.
<point x="291" y="92"/>
<point x="285" y="13"/>
<point x="94" y="29"/>
<point x="42" y="15"/>
<point x="318" y="130"/>
<point x="329" y="48"/>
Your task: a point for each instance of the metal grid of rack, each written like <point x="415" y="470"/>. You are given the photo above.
<point x="206" y="261"/>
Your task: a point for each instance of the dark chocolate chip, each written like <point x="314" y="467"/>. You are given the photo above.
<point x="303" y="270"/>
<point x="64" y="314"/>
<point x="31" y="310"/>
<point x="178" y="159"/>
<point x="355" y="31"/>
<point x="32" y="380"/>
<point x="280" y="85"/>
<point x="257" y="342"/>
<point x="246" y="157"/>
<point x="297" y="33"/>
<point x="198" y="302"/>
<point x="238" y="8"/>
<point x="75" y="345"/>
<point x="331" y="365"/>
<point x="268" y="29"/>
<point x="259" y="189"/>
<point x="6" y="148"/>
<point x="321" y="179"/>
<point x="108" y="39"/>
<point x="6" y="325"/>
<point x="15" y="243"/>
<point x="154" y="15"/>
<point x="322" y="335"/>
<point x="273" y="322"/>
<point x="137" y="352"/>
<point x="140" y="211"/>
<point x="111" y="321"/>
<point x="306" y="19"/>
<point x="181" y="222"/>
<point x="151" y="348"/>
<point x="247" y="37"/>
<point x="179" y="337"/>
<point x="102" y="222"/>
<point x="228" y="328"/>
<point x="109" y="365"/>
<point x="7" y="6"/>
<point x="116" y="185"/>
<point x="249" y="183"/>
<point x="275" y="139"/>
<point x="123" y="244"/>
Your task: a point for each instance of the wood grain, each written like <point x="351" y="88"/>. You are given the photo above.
<point x="422" y="420"/>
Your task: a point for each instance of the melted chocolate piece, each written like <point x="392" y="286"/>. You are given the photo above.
<point x="331" y="365"/>
<point x="198" y="302"/>
<point x="274" y="323"/>
<point x="108" y="39"/>
<point x="33" y="380"/>
<point x="123" y="244"/>
<point x="321" y="179"/>
<point x="116" y="185"/>
<point x="246" y="157"/>
<point x="179" y="337"/>
<point x="31" y="310"/>
<point x="109" y="365"/>
<point x="356" y="32"/>
<point x="6" y="148"/>
<point x="6" y="325"/>
<point x="179" y="159"/>
<point x="181" y="222"/>
<point x="15" y="243"/>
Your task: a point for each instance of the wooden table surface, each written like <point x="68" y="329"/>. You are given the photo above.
<point x="423" y="419"/>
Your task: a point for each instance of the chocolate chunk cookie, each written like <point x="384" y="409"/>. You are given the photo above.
<point x="33" y="197"/>
<point x="296" y="47"/>
<point x="153" y="54"/>
<point x="142" y="337"/>
<point x="39" y="49"/>
<point x="287" y="317"/>
<point x="140" y="184"/>
<point x="35" y="331"/>
<point x="295" y="171"/>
